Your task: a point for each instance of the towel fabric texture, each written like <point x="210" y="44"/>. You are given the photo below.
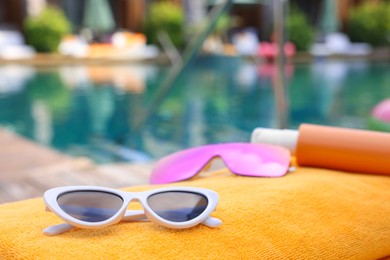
<point x="308" y="214"/>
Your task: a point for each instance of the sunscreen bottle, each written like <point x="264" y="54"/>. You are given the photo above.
<point x="360" y="151"/>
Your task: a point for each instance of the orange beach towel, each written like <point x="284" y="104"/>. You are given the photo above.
<point x="308" y="214"/>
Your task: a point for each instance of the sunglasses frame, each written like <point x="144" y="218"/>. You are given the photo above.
<point x="51" y="196"/>
<point x="217" y="152"/>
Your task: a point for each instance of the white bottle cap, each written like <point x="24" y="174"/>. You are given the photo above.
<point x="282" y="137"/>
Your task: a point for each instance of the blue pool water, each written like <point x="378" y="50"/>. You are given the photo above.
<point x="119" y="113"/>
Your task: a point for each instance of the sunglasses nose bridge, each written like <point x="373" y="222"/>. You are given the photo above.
<point x="219" y="155"/>
<point x="135" y="200"/>
<point x="222" y="156"/>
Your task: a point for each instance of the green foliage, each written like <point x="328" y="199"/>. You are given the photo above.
<point x="223" y="24"/>
<point x="45" y="31"/>
<point x="377" y="125"/>
<point x="299" y="30"/>
<point x="369" y="23"/>
<point x="168" y="17"/>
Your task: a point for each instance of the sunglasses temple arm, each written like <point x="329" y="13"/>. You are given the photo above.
<point x="212" y="222"/>
<point x="134" y="215"/>
<point x="130" y="215"/>
<point x="57" y="229"/>
<point x="139" y="215"/>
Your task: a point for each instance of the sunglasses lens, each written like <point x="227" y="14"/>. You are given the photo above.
<point x="90" y="206"/>
<point x="178" y="206"/>
<point x="180" y="166"/>
<point x="257" y="160"/>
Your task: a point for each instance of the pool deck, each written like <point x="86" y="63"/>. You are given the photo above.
<point x="55" y="59"/>
<point x="28" y="169"/>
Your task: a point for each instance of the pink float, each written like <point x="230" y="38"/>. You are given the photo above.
<point x="382" y="111"/>
<point x="269" y="50"/>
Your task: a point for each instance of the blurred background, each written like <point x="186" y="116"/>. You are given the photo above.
<point x="131" y="81"/>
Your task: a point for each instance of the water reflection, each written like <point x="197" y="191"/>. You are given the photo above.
<point x="92" y="110"/>
<point x="13" y="78"/>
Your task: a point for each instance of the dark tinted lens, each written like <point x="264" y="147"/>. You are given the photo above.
<point x="90" y="206"/>
<point x="178" y="206"/>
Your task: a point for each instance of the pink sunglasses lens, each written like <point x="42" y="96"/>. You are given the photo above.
<point x="179" y="166"/>
<point x="256" y="160"/>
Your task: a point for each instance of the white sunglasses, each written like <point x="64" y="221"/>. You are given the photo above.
<point x="97" y="207"/>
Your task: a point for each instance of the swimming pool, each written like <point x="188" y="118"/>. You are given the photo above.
<point x="117" y="113"/>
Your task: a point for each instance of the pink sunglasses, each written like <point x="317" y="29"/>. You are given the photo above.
<point x="255" y="160"/>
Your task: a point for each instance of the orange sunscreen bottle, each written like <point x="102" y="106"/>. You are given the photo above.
<point x="360" y="151"/>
